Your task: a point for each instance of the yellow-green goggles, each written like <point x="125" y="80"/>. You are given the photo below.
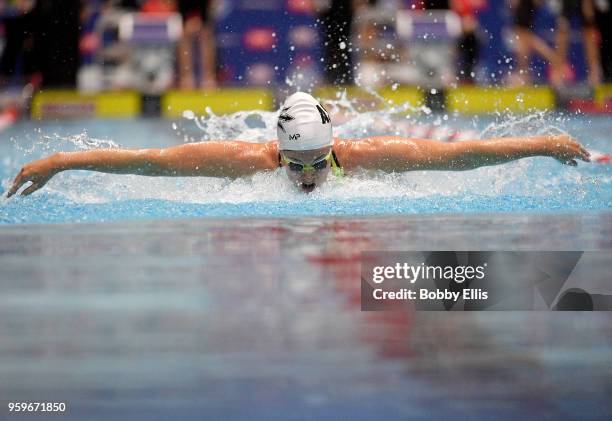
<point x="318" y="165"/>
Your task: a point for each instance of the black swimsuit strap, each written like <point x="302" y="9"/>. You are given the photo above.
<point x="335" y="158"/>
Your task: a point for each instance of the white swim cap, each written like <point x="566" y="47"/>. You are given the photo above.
<point x="303" y="124"/>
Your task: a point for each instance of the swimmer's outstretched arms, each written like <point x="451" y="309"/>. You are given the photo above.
<point x="307" y="151"/>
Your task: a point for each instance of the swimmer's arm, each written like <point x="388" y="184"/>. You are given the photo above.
<point x="207" y="159"/>
<point x="401" y="154"/>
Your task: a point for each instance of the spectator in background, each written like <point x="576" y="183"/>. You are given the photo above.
<point x="56" y="41"/>
<point x="19" y="24"/>
<point x="604" y="17"/>
<point x="374" y="42"/>
<point x="436" y="4"/>
<point x="584" y="12"/>
<point x="198" y="30"/>
<point x="467" y="46"/>
<point x="158" y="6"/>
<point x="90" y="40"/>
<point x="336" y="17"/>
<point x="128" y="4"/>
<point x="527" y="42"/>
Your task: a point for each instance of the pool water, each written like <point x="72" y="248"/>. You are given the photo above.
<point x="217" y="299"/>
<point x="260" y="320"/>
<point x="529" y="185"/>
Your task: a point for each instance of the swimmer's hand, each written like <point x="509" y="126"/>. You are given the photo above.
<point x="566" y="150"/>
<point x="38" y="172"/>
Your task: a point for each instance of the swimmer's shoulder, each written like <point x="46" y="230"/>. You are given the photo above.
<point x="351" y="152"/>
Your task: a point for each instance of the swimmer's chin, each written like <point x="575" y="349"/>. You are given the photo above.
<point x="307" y="187"/>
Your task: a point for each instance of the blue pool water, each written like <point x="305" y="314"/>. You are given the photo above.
<point x="529" y="185"/>
<point x="177" y="309"/>
<point x="260" y="320"/>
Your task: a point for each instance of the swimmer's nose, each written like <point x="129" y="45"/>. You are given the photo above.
<point x="307" y="177"/>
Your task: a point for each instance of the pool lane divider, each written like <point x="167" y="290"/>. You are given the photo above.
<point x="64" y="104"/>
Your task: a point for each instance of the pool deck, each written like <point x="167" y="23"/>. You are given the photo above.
<point x="260" y="319"/>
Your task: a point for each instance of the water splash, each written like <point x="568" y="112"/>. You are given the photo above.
<point x="48" y="144"/>
<point x="252" y="126"/>
<point x="501" y="188"/>
<point x="534" y="124"/>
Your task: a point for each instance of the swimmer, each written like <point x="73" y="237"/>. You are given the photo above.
<point x="305" y="149"/>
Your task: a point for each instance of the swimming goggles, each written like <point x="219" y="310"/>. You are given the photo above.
<point x="319" y="165"/>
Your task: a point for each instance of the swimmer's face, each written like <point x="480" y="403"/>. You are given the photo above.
<point x="309" y="178"/>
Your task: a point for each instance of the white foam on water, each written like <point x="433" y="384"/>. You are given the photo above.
<point x="275" y="187"/>
<point x="47" y="144"/>
<point x="260" y="126"/>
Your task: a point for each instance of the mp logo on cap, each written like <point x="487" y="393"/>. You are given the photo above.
<point x="294" y="136"/>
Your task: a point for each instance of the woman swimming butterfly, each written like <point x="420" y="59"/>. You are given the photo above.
<point x="306" y="149"/>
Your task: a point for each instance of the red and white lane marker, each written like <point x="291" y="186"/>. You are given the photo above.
<point x="600" y="157"/>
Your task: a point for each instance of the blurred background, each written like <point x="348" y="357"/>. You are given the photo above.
<point x="153" y="46"/>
